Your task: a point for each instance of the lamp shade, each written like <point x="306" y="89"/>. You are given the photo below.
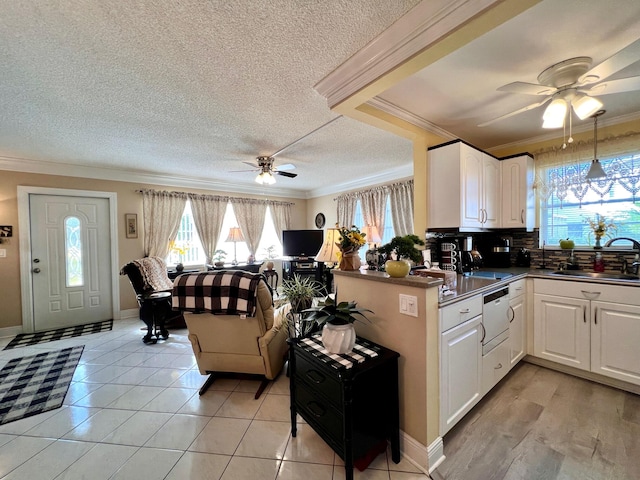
<point x="329" y="251"/>
<point x="371" y="234"/>
<point x="586" y="106"/>
<point x="265" y="178"/>
<point x="555" y="114"/>
<point x="235" y="235"/>
<point x="595" y="170"/>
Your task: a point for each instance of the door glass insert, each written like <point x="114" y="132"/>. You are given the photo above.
<point x="73" y="252"/>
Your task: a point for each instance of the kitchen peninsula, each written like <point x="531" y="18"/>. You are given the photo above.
<point x="415" y="338"/>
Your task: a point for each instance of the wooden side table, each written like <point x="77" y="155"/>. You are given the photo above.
<point x="350" y="400"/>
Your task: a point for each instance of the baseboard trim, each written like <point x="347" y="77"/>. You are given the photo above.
<point x="10" y="331"/>
<point x="576" y="372"/>
<point x="436" y="454"/>
<point x="426" y="459"/>
<point x="130" y="313"/>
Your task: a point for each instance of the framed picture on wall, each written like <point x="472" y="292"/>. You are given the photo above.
<point x="131" y="224"/>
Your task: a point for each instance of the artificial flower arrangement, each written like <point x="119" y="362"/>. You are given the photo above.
<point x="350" y="239"/>
<point x="599" y="227"/>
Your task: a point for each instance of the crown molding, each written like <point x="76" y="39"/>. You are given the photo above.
<point x="391" y="175"/>
<point x="412" y="118"/>
<point x="586" y="127"/>
<point x="420" y="27"/>
<point x="130" y="176"/>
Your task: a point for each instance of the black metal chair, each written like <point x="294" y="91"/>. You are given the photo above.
<point x="272" y="280"/>
<point x="155" y="305"/>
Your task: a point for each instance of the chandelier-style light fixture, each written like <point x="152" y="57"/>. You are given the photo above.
<point x="265" y="178"/>
<point x="596" y="170"/>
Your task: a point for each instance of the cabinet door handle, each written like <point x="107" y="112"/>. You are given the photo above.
<point x="315" y="377"/>
<point x="498" y="367"/>
<point x="584" y="314"/>
<point x="465" y="310"/>
<point x="513" y="314"/>
<point x="484" y="333"/>
<point x="595" y="315"/>
<point x="316" y="409"/>
<point x="522" y="216"/>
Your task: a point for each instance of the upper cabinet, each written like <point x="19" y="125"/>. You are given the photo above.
<point x="464" y="188"/>
<point x="518" y="205"/>
<point x="471" y="190"/>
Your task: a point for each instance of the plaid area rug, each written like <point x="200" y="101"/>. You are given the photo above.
<point x="37" y="383"/>
<point x="26" y="339"/>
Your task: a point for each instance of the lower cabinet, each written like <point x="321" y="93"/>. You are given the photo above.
<point x="589" y="333"/>
<point x="460" y="371"/>
<point x="495" y="365"/>
<point x="517" y="330"/>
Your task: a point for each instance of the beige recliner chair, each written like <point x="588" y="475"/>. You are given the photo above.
<point x="232" y="323"/>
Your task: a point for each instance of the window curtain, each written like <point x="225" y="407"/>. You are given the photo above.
<point x="208" y="215"/>
<point x="401" y="200"/>
<point x="374" y="203"/>
<point x="250" y="215"/>
<point x="571" y="165"/>
<point x="162" y="212"/>
<point x="281" y="215"/>
<point x="346" y="209"/>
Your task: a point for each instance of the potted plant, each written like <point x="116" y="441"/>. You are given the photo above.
<point x="403" y="247"/>
<point x="336" y="318"/>
<point x="300" y="291"/>
<point x="218" y="257"/>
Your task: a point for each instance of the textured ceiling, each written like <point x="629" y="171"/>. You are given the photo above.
<point x="188" y="88"/>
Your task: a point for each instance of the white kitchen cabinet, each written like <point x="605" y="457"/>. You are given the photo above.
<point x="495" y="365"/>
<point x="518" y="200"/>
<point x="592" y="327"/>
<point x="517" y="322"/>
<point x="561" y="330"/>
<point x="615" y="341"/>
<point x="460" y="371"/>
<point x="464" y="188"/>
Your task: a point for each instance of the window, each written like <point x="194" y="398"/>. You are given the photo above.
<point x="188" y="249"/>
<point x="388" y="232"/>
<point x="73" y="252"/>
<point x="566" y="212"/>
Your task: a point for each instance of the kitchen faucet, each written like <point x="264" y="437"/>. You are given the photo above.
<point x="636" y="244"/>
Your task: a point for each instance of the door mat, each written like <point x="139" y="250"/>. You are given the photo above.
<point x="26" y="339"/>
<point x="37" y="383"/>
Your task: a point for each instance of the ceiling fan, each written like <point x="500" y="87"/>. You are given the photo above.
<point x="572" y="84"/>
<point x="267" y="169"/>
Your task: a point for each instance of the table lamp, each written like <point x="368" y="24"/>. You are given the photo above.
<point x="235" y="236"/>
<point x="329" y="251"/>
<point x="372" y="237"/>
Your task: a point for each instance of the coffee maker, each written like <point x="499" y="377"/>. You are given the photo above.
<point x="500" y="256"/>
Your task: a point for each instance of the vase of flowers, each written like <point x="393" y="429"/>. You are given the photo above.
<point x="338" y="333"/>
<point x="599" y="227"/>
<point x="351" y="239"/>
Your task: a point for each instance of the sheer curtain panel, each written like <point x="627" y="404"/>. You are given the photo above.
<point x="208" y="214"/>
<point x="401" y="200"/>
<point x="250" y="215"/>
<point x="162" y="212"/>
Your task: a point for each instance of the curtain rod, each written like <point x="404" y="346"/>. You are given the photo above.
<point x="359" y="193"/>
<point x="214" y="197"/>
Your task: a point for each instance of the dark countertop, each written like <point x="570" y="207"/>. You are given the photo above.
<point x="409" y="281"/>
<point x="470" y="286"/>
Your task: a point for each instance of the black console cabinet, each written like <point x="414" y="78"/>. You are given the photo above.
<point x="352" y="407"/>
<point x="303" y="267"/>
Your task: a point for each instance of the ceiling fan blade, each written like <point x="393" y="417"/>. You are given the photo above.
<point x="527" y="88"/>
<point x="252" y="164"/>
<point x="286" y="166"/>
<point x="236" y="171"/>
<point x="622" y="85"/>
<point x="516" y="112"/>
<point x="625" y="57"/>
<point x="285" y="174"/>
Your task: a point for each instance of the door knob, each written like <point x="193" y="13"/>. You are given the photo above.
<point x="36" y="270"/>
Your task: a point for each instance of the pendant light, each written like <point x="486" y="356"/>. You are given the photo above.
<point x="596" y="170"/>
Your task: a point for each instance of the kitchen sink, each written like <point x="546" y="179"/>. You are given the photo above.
<point x="601" y="275"/>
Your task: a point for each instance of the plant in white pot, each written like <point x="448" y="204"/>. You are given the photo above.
<point x="338" y="333"/>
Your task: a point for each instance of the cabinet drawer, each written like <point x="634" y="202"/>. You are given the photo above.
<point x="517" y="288"/>
<point x="495" y="365"/>
<point x="460" y="312"/>
<point x="318" y="380"/>
<point x="319" y="414"/>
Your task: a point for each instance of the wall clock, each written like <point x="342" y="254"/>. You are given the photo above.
<point x="320" y="220"/>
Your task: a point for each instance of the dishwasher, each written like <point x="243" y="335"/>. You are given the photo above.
<point x="495" y="319"/>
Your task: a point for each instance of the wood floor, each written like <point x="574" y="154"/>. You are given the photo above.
<point x="538" y="424"/>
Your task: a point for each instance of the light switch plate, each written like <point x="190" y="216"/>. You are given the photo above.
<point x="3" y="253"/>
<point x="409" y="305"/>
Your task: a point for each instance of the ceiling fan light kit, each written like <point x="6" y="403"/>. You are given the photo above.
<point x="586" y="106"/>
<point x="555" y="114"/>
<point x="265" y="178"/>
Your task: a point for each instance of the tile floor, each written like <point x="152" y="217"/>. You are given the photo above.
<point x="133" y="412"/>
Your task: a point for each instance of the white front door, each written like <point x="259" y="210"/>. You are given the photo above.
<point x="70" y="260"/>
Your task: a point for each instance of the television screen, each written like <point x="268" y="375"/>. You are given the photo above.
<point x="301" y="243"/>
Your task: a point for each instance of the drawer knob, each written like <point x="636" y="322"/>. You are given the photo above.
<point x="315" y="377"/>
